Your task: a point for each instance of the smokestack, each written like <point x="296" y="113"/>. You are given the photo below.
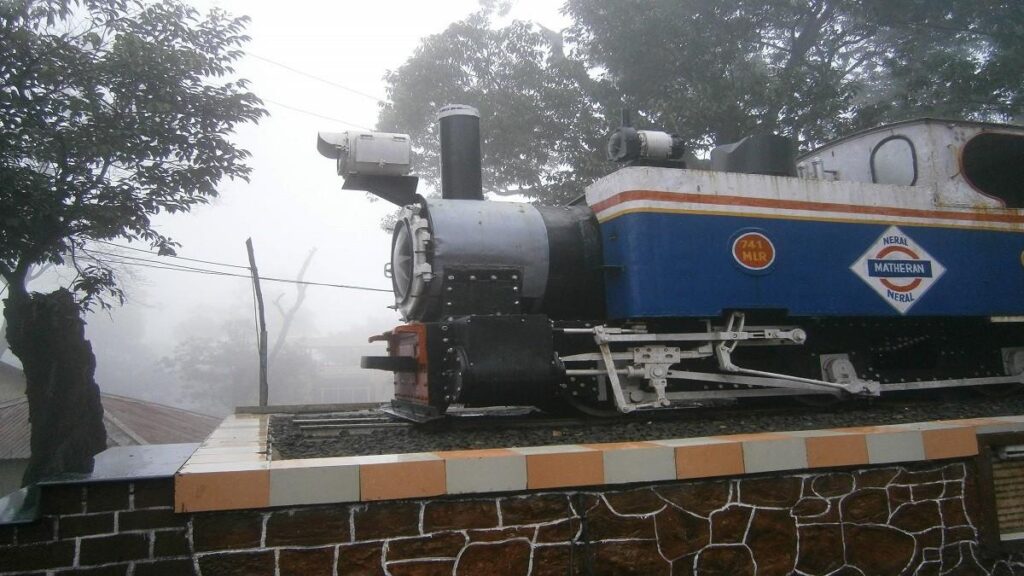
<point x="460" y="152"/>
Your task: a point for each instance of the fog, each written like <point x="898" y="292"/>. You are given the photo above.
<point x="188" y="339"/>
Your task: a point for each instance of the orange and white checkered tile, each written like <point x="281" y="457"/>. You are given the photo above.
<point x="233" y="469"/>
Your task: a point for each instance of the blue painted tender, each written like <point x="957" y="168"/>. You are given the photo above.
<point x="677" y="265"/>
<point x="943" y="239"/>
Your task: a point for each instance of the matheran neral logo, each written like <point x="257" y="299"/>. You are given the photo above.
<point x="898" y="269"/>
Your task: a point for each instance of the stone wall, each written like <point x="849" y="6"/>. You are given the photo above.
<point x="916" y="519"/>
<point x="102" y="528"/>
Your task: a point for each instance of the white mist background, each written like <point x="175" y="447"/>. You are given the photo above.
<point x="292" y="204"/>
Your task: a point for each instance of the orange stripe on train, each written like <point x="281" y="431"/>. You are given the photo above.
<point x="1013" y="217"/>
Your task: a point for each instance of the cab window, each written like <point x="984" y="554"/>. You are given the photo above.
<point x="993" y="164"/>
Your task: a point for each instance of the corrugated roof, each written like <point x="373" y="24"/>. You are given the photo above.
<point x="12" y="382"/>
<point x="14" y="429"/>
<point x="128" y="422"/>
<point x="157" y="423"/>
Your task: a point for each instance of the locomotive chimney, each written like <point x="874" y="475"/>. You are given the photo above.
<point x="460" y="153"/>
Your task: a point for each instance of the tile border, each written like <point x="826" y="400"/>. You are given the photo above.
<point x="233" y="468"/>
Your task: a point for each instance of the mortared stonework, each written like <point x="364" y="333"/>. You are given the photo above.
<point x="890" y="520"/>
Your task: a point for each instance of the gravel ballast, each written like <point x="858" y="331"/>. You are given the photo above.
<point x="290" y="443"/>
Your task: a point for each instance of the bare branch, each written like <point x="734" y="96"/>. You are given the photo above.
<point x="289" y="316"/>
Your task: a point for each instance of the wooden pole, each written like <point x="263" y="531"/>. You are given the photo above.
<point x="264" y="391"/>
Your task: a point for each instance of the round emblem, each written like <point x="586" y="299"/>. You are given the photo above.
<point x="911" y="283"/>
<point x="753" y="251"/>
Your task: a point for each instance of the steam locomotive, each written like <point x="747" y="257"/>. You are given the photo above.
<point x="892" y="259"/>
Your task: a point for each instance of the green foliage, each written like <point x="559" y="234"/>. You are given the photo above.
<point x="809" y="69"/>
<point x="111" y="111"/>
<point x="947" y="58"/>
<point x="539" y="128"/>
<point x="712" y="72"/>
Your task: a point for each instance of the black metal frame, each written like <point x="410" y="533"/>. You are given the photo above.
<point x="988" y="524"/>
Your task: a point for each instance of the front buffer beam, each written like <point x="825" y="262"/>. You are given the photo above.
<point x="506" y="360"/>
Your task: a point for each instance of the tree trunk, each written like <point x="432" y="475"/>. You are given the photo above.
<point x="47" y="334"/>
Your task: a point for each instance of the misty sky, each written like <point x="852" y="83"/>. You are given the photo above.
<point x="294" y="201"/>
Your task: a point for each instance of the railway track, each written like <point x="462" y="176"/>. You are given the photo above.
<point x="362" y="422"/>
<point x="371" y="431"/>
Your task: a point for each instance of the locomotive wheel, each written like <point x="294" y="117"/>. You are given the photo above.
<point x="597" y="411"/>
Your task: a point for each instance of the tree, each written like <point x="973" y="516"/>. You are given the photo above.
<point x="288" y="316"/>
<point x="33" y="273"/>
<point x="947" y="58"/>
<point x="711" y="72"/>
<point x="112" y="111"/>
<point x="714" y="72"/>
<point x="540" y="128"/>
<point x="809" y="69"/>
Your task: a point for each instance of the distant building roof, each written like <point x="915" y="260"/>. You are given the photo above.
<point x="150" y="423"/>
<point x="12" y="382"/>
<point x="128" y="422"/>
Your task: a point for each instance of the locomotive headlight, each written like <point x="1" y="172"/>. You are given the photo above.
<point x="401" y="261"/>
<point x="367" y="153"/>
<point x="411" y="271"/>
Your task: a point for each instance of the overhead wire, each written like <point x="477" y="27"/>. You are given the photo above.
<point x="315" y="77"/>
<point x="158" y="265"/>
<point x="168" y="264"/>
<point x="316" y="114"/>
<point x="319" y="79"/>
<point x="108" y="262"/>
<point x="123" y="247"/>
<point x="247" y="277"/>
